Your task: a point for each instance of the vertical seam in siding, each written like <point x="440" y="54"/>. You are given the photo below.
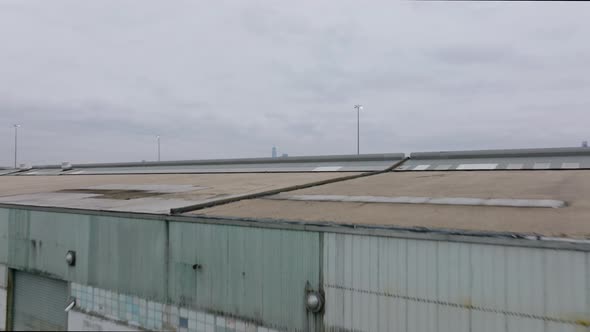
<point x="587" y="283"/>
<point x="340" y="239"/>
<point x="228" y="271"/>
<point x="9" y="299"/>
<point x="505" y="256"/>
<point x="436" y="288"/>
<point x="407" y="303"/>
<point x="470" y="289"/>
<point x="545" y="325"/>
<point x="167" y="255"/>
<point x="322" y="249"/>
<point x="378" y="281"/>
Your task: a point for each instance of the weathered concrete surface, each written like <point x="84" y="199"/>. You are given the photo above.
<point x="573" y="187"/>
<point x="161" y="192"/>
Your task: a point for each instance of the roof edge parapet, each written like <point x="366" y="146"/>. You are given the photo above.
<point x="242" y="161"/>
<point x="502" y="153"/>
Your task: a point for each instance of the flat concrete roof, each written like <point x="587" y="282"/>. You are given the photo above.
<point x="144" y="193"/>
<point x="544" y="202"/>
<point x="451" y="188"/>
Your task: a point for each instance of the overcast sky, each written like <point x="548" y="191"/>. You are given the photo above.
<point x="94" y="81"/>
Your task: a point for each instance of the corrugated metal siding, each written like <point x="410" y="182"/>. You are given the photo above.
<point x="39" y="241"/>
<point x="254" y="274"/>
<point x="39" y="303"/>
<point x="248" y="272"/>
<point x="3" y="307"/>
<point x="128" y="255"/>
<point x="259" y="275"/>
<point x="377" y="284"/>
<point x="4" y="216"/>
<point x="114" y="253"/>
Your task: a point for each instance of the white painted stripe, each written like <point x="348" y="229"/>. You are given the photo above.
<point x="443" y="167"/>
<point x="500" y="202"/>
<point x="541" y="165"/>
<point x="421" y="167"/>
<point x="515" y="166"/>
<point x="570" y="165"/>
<point x="32" y="173"/>
<point x="476" y="166"/>
<point x="77" y="172"/>
<point x="327" y="168"/>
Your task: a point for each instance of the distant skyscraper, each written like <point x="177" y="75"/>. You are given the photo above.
<point x="274" y="151"/>
<point x="585" y="144"/>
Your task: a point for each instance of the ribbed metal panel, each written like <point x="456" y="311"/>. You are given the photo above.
<point x="255" y="273"/>
<point x="127" y="255"/>
<point x="378" y="284"/>
<point x="124" y="254"/>
<point x="39" y="303"/>
<point x="4" y="235"/>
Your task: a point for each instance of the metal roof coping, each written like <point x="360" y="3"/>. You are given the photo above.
<point x="238" y="161"/>
<point x="502" y="153"/>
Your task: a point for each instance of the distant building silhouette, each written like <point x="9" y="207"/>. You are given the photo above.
<point x="585" y="144"/>
<point x="274" y="151"/>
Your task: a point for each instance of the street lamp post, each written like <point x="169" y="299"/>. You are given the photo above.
<point x="158" y="148"/>
<point x="16" y="126"/>
<point x="358" y="128"/>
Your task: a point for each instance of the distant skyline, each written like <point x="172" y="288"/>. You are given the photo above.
<point x="98" y="81"/>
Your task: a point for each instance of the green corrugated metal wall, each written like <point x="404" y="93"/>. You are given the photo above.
<point x="252" y="273"/>
<point x="126" y="255"/>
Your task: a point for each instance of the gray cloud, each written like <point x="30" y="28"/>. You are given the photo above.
<point x="466" y="55"/>
<point x="98" y="80"/>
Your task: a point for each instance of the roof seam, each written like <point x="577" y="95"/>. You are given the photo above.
<point x="201" y="206"/>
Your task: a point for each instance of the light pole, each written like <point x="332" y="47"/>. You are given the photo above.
<point x="358" y="128"/>
<point x="16" y="126"/>
<point x="158" y="137"/>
